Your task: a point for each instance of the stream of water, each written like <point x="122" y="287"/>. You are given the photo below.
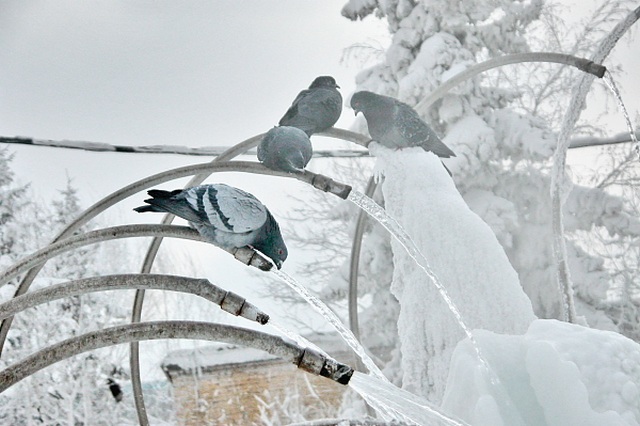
<point x="398" y="232"/>
<point x="388" y="399"/>
<point x="333" y="319"/>
<point x="608" y="79"/>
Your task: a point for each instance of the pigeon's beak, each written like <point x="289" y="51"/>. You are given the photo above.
<point x="355" y="112"/>
<point x="279" y="264"/>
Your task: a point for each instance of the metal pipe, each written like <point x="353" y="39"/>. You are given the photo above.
<point x="228" y="301"/>
<point x="582" y="64"/>
<point x="576" y="105"/>
<point x="155" y="330"/>
<point x="355" y="262"/>
<point x="116" y="232"/>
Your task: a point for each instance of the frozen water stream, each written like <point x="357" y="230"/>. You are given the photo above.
<point x="398" y="232"/>
<point x="608" y="79"/>
<point x="333" y="319"/>
<point x="402" y="405"/>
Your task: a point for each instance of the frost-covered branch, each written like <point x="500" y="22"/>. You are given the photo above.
<point x="587" y="141"/>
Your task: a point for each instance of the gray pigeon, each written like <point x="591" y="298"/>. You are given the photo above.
<point x="225" y="216"/>
<point x="286" y="149"/>
<point x="315" y="109"/>
<point x="395" y="124"/>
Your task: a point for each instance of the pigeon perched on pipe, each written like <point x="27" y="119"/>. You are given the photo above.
<point x="395" y="124"/>
<point x="225" y="216"/>
<point x="286" y="149"/>
<point x="315" y="109"/>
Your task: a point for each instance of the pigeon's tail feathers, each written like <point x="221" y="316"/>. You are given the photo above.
<point x="149" y="208"/>
<point x="160" y="203"/>
<point x="439" y="149"/>
<point x="159" y="193"/>
<point x="156" y="205"/>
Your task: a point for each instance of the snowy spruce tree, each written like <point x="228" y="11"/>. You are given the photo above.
<point x="503" y="157"/>
<point x="73" y="391"/>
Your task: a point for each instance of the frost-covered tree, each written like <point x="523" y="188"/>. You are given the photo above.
<point x="74" y="391"/>
<point x="17" y="215"/>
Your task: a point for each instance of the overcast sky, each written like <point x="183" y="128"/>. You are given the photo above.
<point x="196" y="73"/>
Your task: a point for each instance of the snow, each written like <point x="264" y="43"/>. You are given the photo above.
<point x="461" y="250"/>
<point x="556" y="374"/>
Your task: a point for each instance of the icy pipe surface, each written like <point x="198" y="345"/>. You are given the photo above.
<point x="155" y="330"/>
<point x="582" y="64"/>
<point x="228" y="301"/>
<point x="116" y="232"/>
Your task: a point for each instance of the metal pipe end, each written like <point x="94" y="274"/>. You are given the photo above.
<point x="251" y="312"/>
<point x="336" y="371"/>
<point x="327" y="184"/>
<point x="316" y="363"/>
<point x="596" y="69"/>
<point x="262" y="318"/>
<point x="238" y="306"/>
<point x="250" y="257"/>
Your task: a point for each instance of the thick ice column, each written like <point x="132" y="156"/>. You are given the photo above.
<point x="462" y="251"/>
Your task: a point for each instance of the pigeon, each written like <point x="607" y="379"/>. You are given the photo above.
<point x="287" y="149"/>
<point x="225" y="216"/>
<point x="315" y="109"/>
<point x="395" y="124"/>
<point x="116" y="390"/>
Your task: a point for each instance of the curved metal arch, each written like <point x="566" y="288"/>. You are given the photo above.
<point x="228" y="301"/>
<point x="152" y="251"/>
<point x="305" y="358"/>
<point x="582" y="64"/>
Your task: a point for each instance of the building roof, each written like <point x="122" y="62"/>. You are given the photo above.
<point x="227" y="356"/>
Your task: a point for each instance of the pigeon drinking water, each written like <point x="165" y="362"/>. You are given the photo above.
<point x="315" y="109"/>
<point x="395" y="124"/>
<point x="225" y="216"/>
<point x="286" y="149"/>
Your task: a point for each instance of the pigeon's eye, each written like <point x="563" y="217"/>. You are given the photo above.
<point x="280" y="252"/>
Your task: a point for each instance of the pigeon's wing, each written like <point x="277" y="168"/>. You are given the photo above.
<point x="264" y="146"/>
<point x="314" y="110"/>
<point x="226" y="208"/>
<point x="323" y="105"/>
<point x="293" y="111"/>
<point x="418" y="133"/>
<point x="307" y="152"/>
